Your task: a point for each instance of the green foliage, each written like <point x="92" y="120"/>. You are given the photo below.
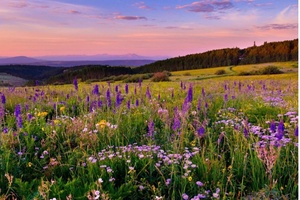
<point x="265" y="71"/>
<point x="220" y="72"/>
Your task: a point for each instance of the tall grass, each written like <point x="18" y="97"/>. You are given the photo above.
<point x="85" y="145"/>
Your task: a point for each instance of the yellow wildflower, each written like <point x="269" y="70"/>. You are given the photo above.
<point x="102" y="123"/>
<point x="190" y="178"/>
<point x="29" y="164"/>
<point x="56" y="121"/>
<point x="62" y="109"/>
<point x="42" y="114"/>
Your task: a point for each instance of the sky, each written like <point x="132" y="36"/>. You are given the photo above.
<point x="150" y="28"/>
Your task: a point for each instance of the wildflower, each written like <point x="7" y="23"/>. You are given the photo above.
<point x="185" y="196"/>
<point x="29" y="116"/>
<point x="42" y="114"/>
<point x="136" y="102"/>
<point x="108" y="98"/>
<point x="280" y="130"/>
<point x="29" y="164"/>
<point x="246" y="128"/>
<point x="128" y="104"/>
<point x="190" y="178"/>
<point x="296" y="131"/>
<point x="119" y="99"/>
<point x="141" y="187"/>
<point x="148" y="94"/>
<point x="97" y="194"/>
<point x="17" y="110"/>
<point x="3" y="99"/>
<point x="75" y="83"/>
<point x="201" y="131"/>
<point x="168" y="181"/>
<point x="226" y="97"/>
<point x="102" y="123"/>
<point x="96" y="90"/>
<point x="126" y="88"/>
<point x="199" y="183"/>
<point x="62" y="109"/>
<point x="100" y="180"/>
<point x="272" y="126"/>
<point x="150" y="128"/>
<point x="176" y="120"/>
<point x="190" y="94"/>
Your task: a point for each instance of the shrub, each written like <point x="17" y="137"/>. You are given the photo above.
<point x="270" y="70"/>
<point x="160" y="76"/>
<point x="220" y="72"/>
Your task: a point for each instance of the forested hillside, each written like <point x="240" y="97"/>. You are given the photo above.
<point x="88" y="72"/>
<point x="268" y="52"/>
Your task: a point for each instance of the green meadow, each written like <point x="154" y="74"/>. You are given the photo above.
<point x="198" y="136"/>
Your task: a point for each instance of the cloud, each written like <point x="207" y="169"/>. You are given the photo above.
<point x="142" y="5"/>
<point x="130" y="17"/>
<point x="207" y="6"/>
<point x="17" y="4"/>
<point x="75" y="12"/>
<point x="278" y="26"/>
<point x="288" y="15"/>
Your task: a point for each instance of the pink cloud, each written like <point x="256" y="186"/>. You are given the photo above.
<point x="278" y="26"/>
<point x="130" y="17"/>
<point x="141" y="5"/>
<point x="207" y="6"/>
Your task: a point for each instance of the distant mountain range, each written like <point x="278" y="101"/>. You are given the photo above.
<point x="131" y="60"/>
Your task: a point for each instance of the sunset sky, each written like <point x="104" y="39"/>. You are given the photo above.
<point x="149" y="28"/>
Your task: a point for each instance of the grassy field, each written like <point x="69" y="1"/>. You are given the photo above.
<point x="224" y="137"/>
<point x="286" y="67"/>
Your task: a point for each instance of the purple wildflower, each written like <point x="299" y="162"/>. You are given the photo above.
<point x="117" y="88"/>
<point x="29" y="116"/>
<point x="203" y="92"/>
<point x="136" y="102"/>
<point x="296" y="131"/>
<point x="176" y="120"/>
<point x="3" y="99"/>
<point x="246" y="128"/>
<point x="87" y="98"/>
<point x="128" y="104"/>
<point x="190" y="94"/>
<point x="19" y="121"/>
<point x="280" y="130"/>
<point x="75" y="83"/>
<point x="185" y="196"/>
<point x="201" y="131"/>
<point x="99" y="103"/>
<point x="108" y="98"/>
<point x="119" y="99"/>
<point x="272" y="126"/>
<point x="148" y="94"/>
<point x="17" y="110"/>
<point x="199" y="104"/>
<point x="96" y="90"/>
<point x="126" y="88"/>
<point x="226" y="97"/>
<point x="150" y="128"/>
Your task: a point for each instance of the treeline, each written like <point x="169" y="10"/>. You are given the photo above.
<point x="31" y="72"/>
<point x="88" y="72"/>
<point x="268" y="52"/>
